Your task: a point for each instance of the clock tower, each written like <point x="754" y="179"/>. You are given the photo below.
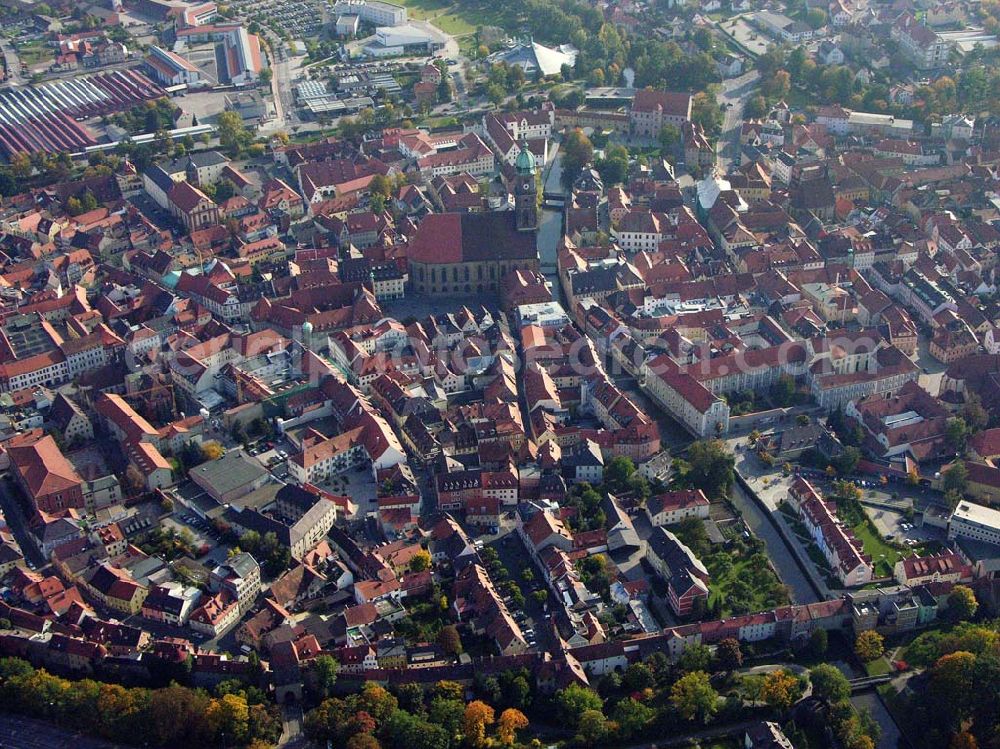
<point x="525" y="192"/>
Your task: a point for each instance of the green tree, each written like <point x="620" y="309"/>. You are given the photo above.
<point x="405" y="731"/>
<point x="706" y="112"/>
<point x="956" y="432"/>
<point x="495" y="94"/>
<point x="829" y="683"/>
<point x="755" y="108"/>
<point x="325" y="668"/>
<point x="847" y="461"/>
<point x="233" y="135"/>
<point x="573" y="701"/>
<point x="669" y="138"/>
<point x="816" y="18"/>
<point x="956" y="478"/>
<point x="632" y="717"/>
<point x="695" y="658"/>
<point x="637" y="677"/>
<point x="973" y="413"/>
<point x="962" y="603"/>
<point x="818" y="642"/>
<point x="693" y="697"/>
<point x="446" y="713"/>
<point x="592" y="728"/>
<point x="617" y="472"/>
<point x="613" y="168"/>
<point x="711" y="467"/>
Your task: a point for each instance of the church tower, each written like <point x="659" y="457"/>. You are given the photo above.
<point x="525" y="192"/>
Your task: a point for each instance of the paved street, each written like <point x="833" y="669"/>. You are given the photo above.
<point x="931" y="369"/>
<point x="24" y="733"/>
<point x="735" y="92"/>
<point x="291" y="727"/>
<point x="869" y="700"/>
<point x="550" y="224"/>
<point x="13" y="63"/>
<point x="9" y="500"/>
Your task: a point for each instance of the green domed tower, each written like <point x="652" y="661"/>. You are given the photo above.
<point x="525" y="192"/>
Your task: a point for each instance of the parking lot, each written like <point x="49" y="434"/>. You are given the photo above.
<point x="273" y="455"/>
<point x="893" y="523"/>
<point x="745" y="35"/>
<point x="359" y="485"/>
<point x="534" y="621"/>
<point x="297" y="18"/>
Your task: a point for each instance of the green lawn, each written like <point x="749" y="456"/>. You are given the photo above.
<point x="884" y="554"/>
<point x="457" y="19"/>
<point x="879" y="667"/>
<point x="33" y="53"/>
<point x="736" y="587"/>
<point x="454" y="24"/>
<point x="424" y="9"/>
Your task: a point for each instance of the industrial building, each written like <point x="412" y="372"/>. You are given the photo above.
<point x="400" y="40"/>
<point x="241" y="57"/>
<point x="373" y="12"/>
<point x="41" y="118"/>
<point x="171" y="69"/>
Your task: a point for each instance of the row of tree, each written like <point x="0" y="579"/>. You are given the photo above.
<point x="234" y="715"/>
<point x="412" y="719"/>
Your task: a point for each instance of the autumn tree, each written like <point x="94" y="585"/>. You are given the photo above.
<point x="362" y="741"/>
<point x="377" y="702"/>
<point x="693" y="697"/>
<point x="232" y="133"/>
<point x="420" y="561"/>
<point x="577" y="152"/>
<point x="449" y="639"/>
<point x="869" y="646"/>
<point x="229" y="716"/>
<point x="729" y="655"/>
<point x="780" y="690"/>
<point x="477" y="718"/>
<point x="511" y="721"/>
<point x="963" y="740"/>
<point x="860" y="741"/>
<point x="950" y="679"/>
<point x="20" y="165"/>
